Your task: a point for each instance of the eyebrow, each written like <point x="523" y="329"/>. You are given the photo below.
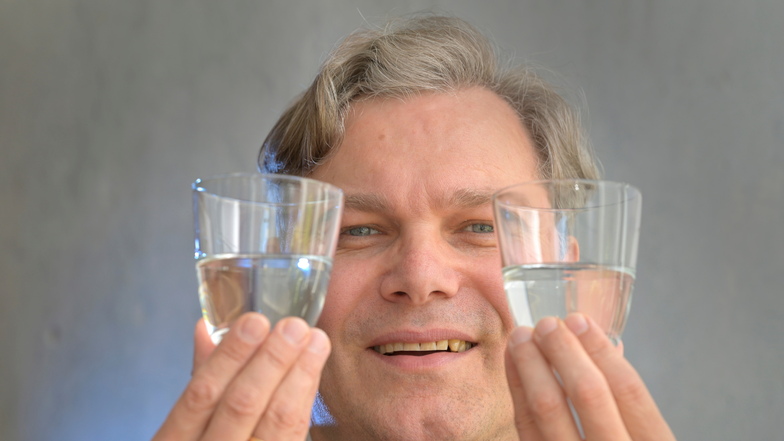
<point x="367" y="202"/>
<point x="469" y="198"/>
<point x="461" y="198"/>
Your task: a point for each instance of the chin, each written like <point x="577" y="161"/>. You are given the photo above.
<point x="424" y="416"/>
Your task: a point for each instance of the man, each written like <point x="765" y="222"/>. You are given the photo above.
<point x="419" y="126"/>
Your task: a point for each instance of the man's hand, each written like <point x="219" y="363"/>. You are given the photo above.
<point x="256" y="382"/>
<point x="608" y="396"/>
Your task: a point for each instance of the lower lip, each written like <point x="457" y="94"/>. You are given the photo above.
<point x="421" y="362"/>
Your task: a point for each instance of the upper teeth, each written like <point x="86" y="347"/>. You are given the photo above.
<point x="452" y="345"/>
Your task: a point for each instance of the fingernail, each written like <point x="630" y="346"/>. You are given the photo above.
<point x="295" y="330"/>
<point x="318" y="341"/>
<point x="252" y="329"/>
<point x="520" y="335"/>
<point x="546" y="326"/>
<point x="577" y="323"/>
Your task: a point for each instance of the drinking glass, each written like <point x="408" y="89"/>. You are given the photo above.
<point x="264" y="243"/>
<point x="569" y="245"/>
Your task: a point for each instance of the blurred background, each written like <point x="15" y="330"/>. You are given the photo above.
<point x="109" y="109"/>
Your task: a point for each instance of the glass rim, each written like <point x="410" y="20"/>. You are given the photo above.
<point x="634" y="192"/>
<point x="332" y="192"/>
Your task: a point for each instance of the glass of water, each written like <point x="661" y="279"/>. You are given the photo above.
<point x="264" y="243"/>
<point x="567" y="246"/>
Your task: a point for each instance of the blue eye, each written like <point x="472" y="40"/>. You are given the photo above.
<point x="360" y="231"/>
<point x="481" y="228"/>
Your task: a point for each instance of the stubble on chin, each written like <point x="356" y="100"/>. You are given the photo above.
<point x="479" y="411"/>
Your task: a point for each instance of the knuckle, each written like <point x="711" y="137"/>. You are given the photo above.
<point x="590" y="392"/>
<point x="200" y="395"/>
<point x="554" y="344"/>
<point x="524" y="421"/>
<point x="601" y="349"/>
<point x="277" y="358"/>
<point x="235" y="351"/>
<point x="546" y="406"/>
<point x="524" y="418"/>
<point x="284" y="417"/>
<point x="525" y="354"/>
<point x="558" y="342"/>
<point x="631" y="391"/>
<point x="243" y="402"/>
<point x="310" y="369"/>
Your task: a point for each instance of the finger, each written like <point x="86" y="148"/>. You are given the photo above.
<point x="194" y="409"/>
<point x="524" y="418"/>
<point x="584" y="383"/>
<point x="203" y="345"/>
<point x="248" y="395"/>
<point x="635" y="404"/>
<point x="287" y="416"/>
<point x="544" y="398"/>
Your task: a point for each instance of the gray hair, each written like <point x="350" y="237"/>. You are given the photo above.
<point x="413" y="56"/>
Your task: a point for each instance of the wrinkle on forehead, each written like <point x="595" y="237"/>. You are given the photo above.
<point x="457" y="198"/>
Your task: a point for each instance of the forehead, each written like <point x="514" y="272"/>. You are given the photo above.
<point x="467" y="143"/>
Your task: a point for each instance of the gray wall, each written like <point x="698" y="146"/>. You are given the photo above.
<point x="109" y="109"/>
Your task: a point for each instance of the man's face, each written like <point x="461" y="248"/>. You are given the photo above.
<point x="418" y="264"/>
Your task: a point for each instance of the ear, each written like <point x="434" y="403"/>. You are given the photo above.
<point x="572" y="250"/>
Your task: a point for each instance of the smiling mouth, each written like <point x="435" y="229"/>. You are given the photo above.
<point x="433" y="347"/>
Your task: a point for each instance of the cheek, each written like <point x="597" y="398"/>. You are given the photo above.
<point x="348" y="284"/>
<point x="490" y="283"/>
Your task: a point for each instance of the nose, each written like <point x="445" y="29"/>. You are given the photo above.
<point x="423" y="267"/>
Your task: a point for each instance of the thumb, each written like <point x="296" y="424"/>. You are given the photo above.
<point x="203" y="345"/>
